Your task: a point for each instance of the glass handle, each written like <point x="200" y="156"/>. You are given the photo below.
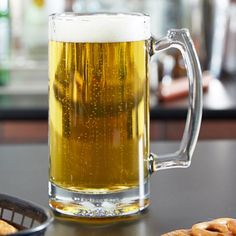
<point x="181" y="40"/>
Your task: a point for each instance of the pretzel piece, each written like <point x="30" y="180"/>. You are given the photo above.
<point x="6" y="228"/>
<point x="218" y="227"/>
<point x="232" y="226"/>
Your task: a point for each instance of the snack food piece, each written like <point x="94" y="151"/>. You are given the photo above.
<point x="6" y="228"/>
<point x="217" y="227"/>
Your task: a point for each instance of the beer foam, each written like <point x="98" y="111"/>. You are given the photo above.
<point x="71" y="27"/>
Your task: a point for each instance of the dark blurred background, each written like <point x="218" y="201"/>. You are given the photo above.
<point x="24" y="76"/>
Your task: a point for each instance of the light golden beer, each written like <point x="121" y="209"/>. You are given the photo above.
<point x="98" y="116"/>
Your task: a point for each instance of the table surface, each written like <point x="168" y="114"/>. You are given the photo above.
<point x="25" y="97"/>
<point x="179" y="197"/>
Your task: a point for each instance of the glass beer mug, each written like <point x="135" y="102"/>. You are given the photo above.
<point x="100" y="162"/>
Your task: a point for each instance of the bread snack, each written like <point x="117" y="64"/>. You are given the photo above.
<point x="6" y="228"/>
<point x="218" y="227"/>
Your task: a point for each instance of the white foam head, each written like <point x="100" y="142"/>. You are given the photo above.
<point x="71" y="27"/>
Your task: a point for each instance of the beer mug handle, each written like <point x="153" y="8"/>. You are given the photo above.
<point x="181" y="40"/>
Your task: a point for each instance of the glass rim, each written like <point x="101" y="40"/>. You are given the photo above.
<point x="74" y="15"/>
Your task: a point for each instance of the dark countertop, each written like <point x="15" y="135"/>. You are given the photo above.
<point x="29" y="100"/>
<point x="180" y="197"/>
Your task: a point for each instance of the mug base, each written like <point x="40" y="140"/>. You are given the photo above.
<point x="77" y="204"/>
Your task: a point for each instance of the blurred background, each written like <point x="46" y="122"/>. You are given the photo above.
<point x="24" y="73"/>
